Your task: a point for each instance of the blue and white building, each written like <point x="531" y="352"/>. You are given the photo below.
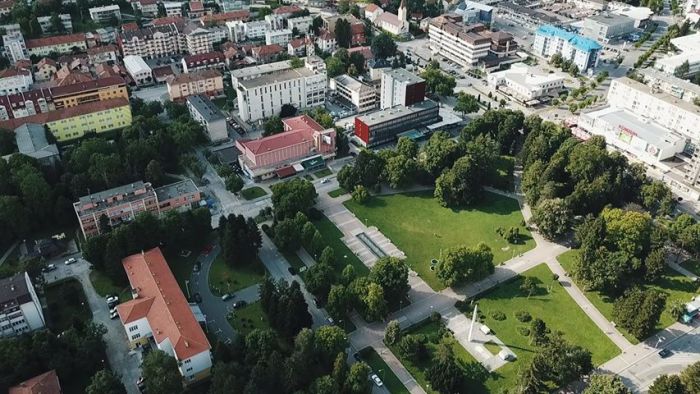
<point x="582" y="51"/>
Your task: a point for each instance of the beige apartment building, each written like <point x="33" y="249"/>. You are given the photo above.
<point x="206" y="82"/>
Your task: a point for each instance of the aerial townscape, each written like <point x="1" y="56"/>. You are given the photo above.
<point x="349" y="196"/>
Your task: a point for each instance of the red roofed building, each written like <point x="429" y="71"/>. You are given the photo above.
<point x="59" y="44"/>
<point x="358" y="33"/>
<point x="286" y="11"/>
<point x="178" y="21"/>
<point x="160" y="313"/>
<point x="220" y="19"/>
<point x="196" y="9"/>
<point x="267" y="53"/>
<point x="302" y="140"/>
<point x="46" y="383"/>
<point x="203" y="61"/>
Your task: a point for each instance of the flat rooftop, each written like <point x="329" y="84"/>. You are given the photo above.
<point x="248" y="72"/>
<point x="659" y="95"/>
<point x="653" y="73"/>
<point x="687" y="43"/>
<point x="649" y="131"/>
<point x="396" y="112"/>
<point x="176" y="189"/>
<point x="105" y="194"/>
<point x="208" y="110"/>
<point x="611" y="19"/>
<point x="279" y="76"/>
<point x="402" y="75"/>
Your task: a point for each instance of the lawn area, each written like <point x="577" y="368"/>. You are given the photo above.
<point x="323" y="173"/>
<point x="182" y="268"/>
<point x="224" y="279"/>
<point x="430" y="228"/>
<point x="419" y="369"/>
<point x="337" y="192"/>
<point x="248" y="318"/>
<point x="332" y="237"/>
<point x="252" y="193"/>
<point x="66" y="302"/>
<point x="104" y="286"/>
<point x="391" y="382"/>
<point x="676" y="287"/>
<point x="554" y="307"/>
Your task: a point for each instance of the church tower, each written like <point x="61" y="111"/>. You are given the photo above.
<point x="403" y="12"/>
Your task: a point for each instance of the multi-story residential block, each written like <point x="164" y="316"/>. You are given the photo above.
<point x="221" y="19"/>
<point x="263" y="96"/>
<point x="401" y="87"/>
<point x="527" y="84"/>
<point x="301" y="23"/>
<point x="6" y="7"/>
<point x="103" y="54"/>
<point x="383" y="126"/>
<point x="51" y="99"/>
<point x="279" y="37"/>
<point x="302" y="141"/>
<point x="59" y="44"/>
<point x="652" y="126"/>
<point x="105" y="13"/>
<point x="15" y="80"/>
<point x="196" y="9"/>
<point x="198" y="40"/>
<point x="326" y="42"/>
<point x="139" y="71"/>
<point x="15" y="47"/>
<point x="31" y="141"/>
<point x="667" y="83"/>
<point x="207" y="82"/>
<point x="148" y="8"/>
<point x="172" y="8"/>
<point x="581" y="51"/>
<point x="204" y="61"/>
<point x="218" y="34"/>
<point x="603" y="27"/>
<point x="150" y="42"/>
<point x="267" y="53"/>
<point x="105" y="35"/>
<point x="74" y="122"/>
<point x="20" y="308"/>
<point x="287" y="11"/>
<point x="688" y="53"/>
<point x="209" y="116"/>
<point x="159" y="312"/>
<point x="360" y="95"/>
<point x="244" y="31"/>
<point x="242" y="74"/>
<point x="47" y="26"/>
<point x="462" y="44"/>
<point x="276" y="22"/>
<point x="45" y="69"/>
<point x="122" y="204"/>
<point x="46" y="383"/>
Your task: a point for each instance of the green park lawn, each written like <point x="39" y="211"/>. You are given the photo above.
<point x="337" y="192"/>
<point x="224" y="279"/>
<point x="430" y="228"/>
<point x="332" y="237"/>
<point x="104" y="286"/>
<point x="248" y="318"/>
<point x="252" y="193"/>
<point x="182" y="268"/>
<point x="554" y="306"/>
<point x="390" y="380"/>
<point x="675" y="285"/>
<point x="66" y="302"/>
<point x="323" y="173"/>
<point x="419" y="369"/>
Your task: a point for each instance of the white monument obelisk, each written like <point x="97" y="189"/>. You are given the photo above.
<point x="471" y="328"/>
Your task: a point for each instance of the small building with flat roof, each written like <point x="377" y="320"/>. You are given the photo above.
<point x="31" y="141"/>
<point x="606" y="26"/>
<point x="209" y="116"/>
<point x="383" y="126"/>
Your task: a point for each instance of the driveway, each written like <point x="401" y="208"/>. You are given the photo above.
<point x="122" y="360"/>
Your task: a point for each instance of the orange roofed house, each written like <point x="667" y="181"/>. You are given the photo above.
<point x="160" y="313"/>
<point x="46" y="383"/>
<point x="302" y="145"/>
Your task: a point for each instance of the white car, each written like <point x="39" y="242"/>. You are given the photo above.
<point x="113" y="314"/>
<point x="376" y="380"/>
<point x="112" y="299"/>
<point x="71" y="261"/>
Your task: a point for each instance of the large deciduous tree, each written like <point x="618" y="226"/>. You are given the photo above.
<point x="552" y="217"/>
<point x="638" y="311"/>
<point x="465" y="264"/>
<point x="392" y="275"/>
<point x="383" y="46"/>
<point x="290" y="197"/>
<point x="160" y="373"/>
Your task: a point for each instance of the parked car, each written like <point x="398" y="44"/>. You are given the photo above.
<point x="113" y="314"/>
<point x="111" y="298"/>
<point x="226" y="297"/>
<point x="325" y="180"/>
<point x="49" y="268"/>
<point x="357" y="356"/>
<point x="112" y="304"/>
<point x="141" y="384"/>
<point x="665" y="353"/>
<point x="71" y="261"/>
<point x="197" y="297"/>
<point x="239" y="304"/>
<point x="197" y="266"/>
<point x="376" y="380"/>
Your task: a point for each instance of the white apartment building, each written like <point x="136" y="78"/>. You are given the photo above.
<point x="667" y="83"/>
<point x="172" y="8"/>
<point x="206" y="113"/>
<point x="451" y="40"/>
<point x="13" y="80"/>
<point x="46" y="27"/>
<point x="582" y="51"/>
<point x="276" y="22"/>
<point x="662" y="120"/>
<point x="198" y="41"/>
<point x="246" y="73"/>
<point x="150" y="42"/>
<point x="401" y="87"/>
<point x="303" y="24"/>
<point x="526" y="83"/>
<point x="15" y="47"/>
<point x="105" y="13"/>
<point x="362" y="96"/>
<point x="159" y="312"/>
<point x="263" y="96"/>
<point x="279" y="37"/>
<point x="689" y="51"/>
<point x="243" y="31"/>
<point x="140" y="72"/>
<point x="20" y="308"/>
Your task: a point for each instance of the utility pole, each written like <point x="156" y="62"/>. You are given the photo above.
<point x="471" y="328"/>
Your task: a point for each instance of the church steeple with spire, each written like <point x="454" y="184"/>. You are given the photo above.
<point x="403" y="12"/>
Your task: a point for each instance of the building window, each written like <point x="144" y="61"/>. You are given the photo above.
<point x="135" y="336"/>
<point x="133" y="328"/>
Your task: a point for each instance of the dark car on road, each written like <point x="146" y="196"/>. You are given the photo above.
<point x="197" y="297"/>
<point x="197" y="266"/>
<point x="239" y="304"/>
<point x="665" y="353"/>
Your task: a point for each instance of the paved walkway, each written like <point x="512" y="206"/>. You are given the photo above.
<point x="8" y="252"/>
<point x="680" y="269"/>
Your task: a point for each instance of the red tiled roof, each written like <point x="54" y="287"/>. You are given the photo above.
<point x="357" y="28"/>
<point x="297" y="42"/>
<point x="130" y="26"/>
<point x="13" y="72"/>
<point x="326" y="35"/>
<point x="285" y="172"/>
<point x="72" y="78"/>
<point x="239" y="15"/>
<point x="55" y="40"/>
<point x="302" y="122"/>
<point x="101" y="49"/>
<point x="7" y="4"/>
<point x="169" y="314"/>
<point x="46" y="383"/>
<point x="162" y="71"/>
<point x="365" y="51"/>
<point x="265" y="50"/>
<point x="297" y="130"/>
<point x="47" y="61"/>
<point x="192" y="60"/>
<point x="196" y="6"/>
<point x="178" y="21"/>
<point x="86" y="85"/>
<point x="286" y="9"/>
<point x="371" y="8"/>
<point x="65" y="113"/>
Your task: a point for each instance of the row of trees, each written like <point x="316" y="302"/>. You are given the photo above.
<point x="285" y="307"/>
<point x="686" y="383"/>
<point x="173" y="231"/>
